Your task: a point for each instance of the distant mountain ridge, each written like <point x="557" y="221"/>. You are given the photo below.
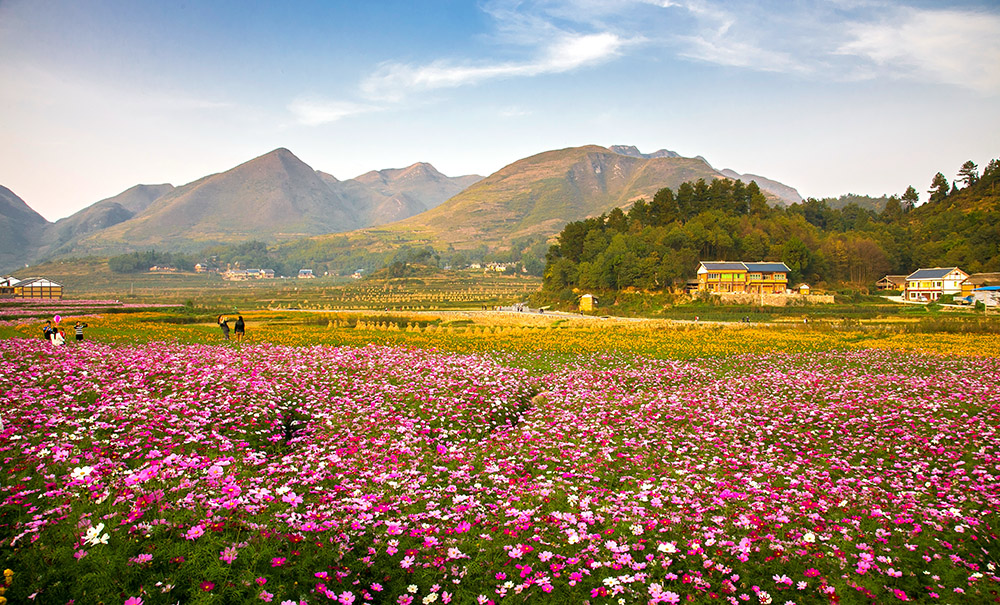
<point x="276" y="197"/>
<point x="536" y="196"/>
<point x="20" y="228"/>
<point x="273" y="197"/>
<point x="787" y="194"/>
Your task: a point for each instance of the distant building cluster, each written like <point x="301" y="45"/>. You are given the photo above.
<point x="930" y="284"/>
<point x="248" y="274"/>
<point x="32" y="287"/>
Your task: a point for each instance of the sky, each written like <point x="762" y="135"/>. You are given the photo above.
<point x="828" y="96"/>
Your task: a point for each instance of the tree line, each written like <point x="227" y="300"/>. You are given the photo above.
<point x="657" y="244"/>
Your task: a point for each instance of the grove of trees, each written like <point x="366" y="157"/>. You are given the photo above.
<point x="658" y="244"/>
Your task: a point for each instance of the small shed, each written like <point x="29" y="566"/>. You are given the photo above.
<point x="588" y="302"/>
<point x="802" y="289"/>
<point x="988" y="295"/>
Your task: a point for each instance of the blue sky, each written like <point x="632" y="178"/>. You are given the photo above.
<point x="830" y="97"/>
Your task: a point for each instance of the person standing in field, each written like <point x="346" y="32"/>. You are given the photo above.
<point x="224" y="324"/>
<point x="47" y="331"/>
<point x="240" y="328"/>
<point x="78" y="329"/>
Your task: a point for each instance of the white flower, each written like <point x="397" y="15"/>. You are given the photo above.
<point x="94" y="536"/>
<point x="81" y="471"/>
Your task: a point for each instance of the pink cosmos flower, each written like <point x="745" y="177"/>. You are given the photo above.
<point x="228" y="555"/>
<point x="195" y="532"/>
<point x="133" y="601"/>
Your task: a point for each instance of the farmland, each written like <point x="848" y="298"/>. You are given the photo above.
<point x="468" y="456"/>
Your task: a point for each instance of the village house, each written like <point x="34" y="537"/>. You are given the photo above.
<point x="587" y="303"/>
<point x="979" y="280"/>
<point x="927" y="285"/>
<point x="306" y="274"/>
<point x="752" y="278"/>
<point x="891" y="282"/>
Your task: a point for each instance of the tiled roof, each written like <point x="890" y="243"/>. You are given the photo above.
<point x="977" y="279"/>
<point x="767" y="267"/>
<point x="935" y="273"/>
<point x="723" y="266"/>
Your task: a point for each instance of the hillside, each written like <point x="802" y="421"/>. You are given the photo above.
<point x="20" y="227"/>
<point x="788" y="195"/>
<point x="274" y="196"/>
<point x="62" y="235"/>
<point x="384" y="196"/>
<point x="536" y="196"/>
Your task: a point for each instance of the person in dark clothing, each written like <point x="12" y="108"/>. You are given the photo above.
<point x="47" y="331"/>
<point x="240" y="328"/>
<point x="224" y="324"/>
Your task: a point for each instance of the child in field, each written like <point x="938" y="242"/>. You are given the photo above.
<point x="78" y="329"/>
<point x="224" y="324"/>
<point x="47" y="331"/>
<point x="58" y="337"/>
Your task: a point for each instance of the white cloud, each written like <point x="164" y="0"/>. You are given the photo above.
<point x="392" y="81"/>
<point x="314" y="112"/>
<point x="737" y="53"/>
<point x="949" y="46"/>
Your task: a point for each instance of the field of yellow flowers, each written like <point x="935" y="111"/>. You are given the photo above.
<point x="521" y="334"/>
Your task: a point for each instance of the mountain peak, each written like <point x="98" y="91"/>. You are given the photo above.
<point x="633" y="151"/>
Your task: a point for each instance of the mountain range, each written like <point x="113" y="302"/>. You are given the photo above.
<point x="277" y="197"/>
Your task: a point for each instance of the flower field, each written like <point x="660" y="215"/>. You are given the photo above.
<point x="165" y="473"/>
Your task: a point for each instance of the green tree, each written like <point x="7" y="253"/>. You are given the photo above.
<point x="909" y="199"/>
<point x="939" y="187"/>
<point x="893" y="210"/>
<point x="968" y="173"/>
<point x="798" y="257"/>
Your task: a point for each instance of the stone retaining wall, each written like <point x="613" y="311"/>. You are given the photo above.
<point x="773" y="300"/>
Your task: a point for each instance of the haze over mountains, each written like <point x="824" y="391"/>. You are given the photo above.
<point x="276" y="197"/>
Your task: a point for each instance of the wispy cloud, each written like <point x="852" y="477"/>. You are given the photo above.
<point x="949" y="46"/>
<point x="392" y="81"/>
<point x="883" y="39"/>
<point x="833" y="40"/>
<point x="315" y="111"/>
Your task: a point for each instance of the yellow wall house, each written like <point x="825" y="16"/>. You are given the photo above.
<point x="588" y="302"/>
<point x="925" y="285"/>
<point x="754" y="278"/>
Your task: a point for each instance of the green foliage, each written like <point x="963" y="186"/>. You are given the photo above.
<point x="850" y="240"/>
<point x="138" y="262"/>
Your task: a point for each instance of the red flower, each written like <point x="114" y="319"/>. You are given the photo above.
<point x="207" y="586"/>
